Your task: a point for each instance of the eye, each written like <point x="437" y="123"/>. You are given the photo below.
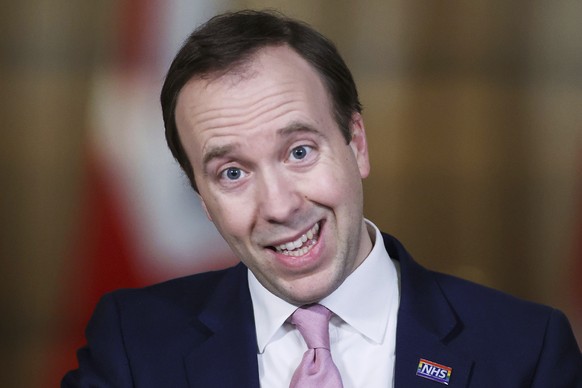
<point x="232" y="173"/>
<point x="300" y="152"/>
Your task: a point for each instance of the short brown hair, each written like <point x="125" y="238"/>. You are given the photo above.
<point x="228" y="40"/>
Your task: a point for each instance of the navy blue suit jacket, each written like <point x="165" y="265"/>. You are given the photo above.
<point x="199" y="331"/>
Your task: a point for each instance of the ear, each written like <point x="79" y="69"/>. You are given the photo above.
<point x="204" y="207"/>
<point x="359" y="144"/>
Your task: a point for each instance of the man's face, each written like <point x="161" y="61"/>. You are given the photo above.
<point x="275" y="174"/>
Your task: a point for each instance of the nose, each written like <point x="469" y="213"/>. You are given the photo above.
<point x="279" y="197"/>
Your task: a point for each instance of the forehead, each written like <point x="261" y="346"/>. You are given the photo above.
<point x="275" y="87"/>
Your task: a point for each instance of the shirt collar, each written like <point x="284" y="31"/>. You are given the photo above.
<point x="270" y="312"/>
<point x="374" y="281"/>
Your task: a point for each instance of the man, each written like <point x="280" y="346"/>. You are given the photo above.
<point x="263" y="116"/>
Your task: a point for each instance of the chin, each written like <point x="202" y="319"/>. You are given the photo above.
<point x="308" y="296"/>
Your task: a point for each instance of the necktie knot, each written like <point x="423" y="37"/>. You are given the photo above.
<point x="316" y="369"/>
<point x="313" y="323"/>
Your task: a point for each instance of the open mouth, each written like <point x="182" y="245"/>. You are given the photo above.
<point x="302" y="245"/>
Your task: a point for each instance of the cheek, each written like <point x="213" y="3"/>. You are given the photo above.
<point x="232" y="217"/>
<point x="338" y="178"/>
<point x="331" y="187"/>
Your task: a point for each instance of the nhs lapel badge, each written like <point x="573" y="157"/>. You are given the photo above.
<point x="433" y="371"/>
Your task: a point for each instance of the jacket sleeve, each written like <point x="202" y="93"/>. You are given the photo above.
<point x="560" y="361"/>
<point x="103" y="362"/>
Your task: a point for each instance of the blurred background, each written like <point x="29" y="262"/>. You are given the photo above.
<point x="473" y="112"/>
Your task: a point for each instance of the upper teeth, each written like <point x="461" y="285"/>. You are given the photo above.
<point x="292" y="245"/>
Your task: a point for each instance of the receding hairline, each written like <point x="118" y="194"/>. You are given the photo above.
<point x="241" y="69"/>
<point x="244" y="70"/>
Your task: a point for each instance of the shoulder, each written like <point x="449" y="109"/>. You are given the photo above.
<point x="484" y="302"/>
<point x="168" y="307"/>
<point x="141" y="335"/>
<point x="465" y="297"/>
<point x="497" y="326"/>
<point x="187" y="294"/>
<point x="503" y="335"/>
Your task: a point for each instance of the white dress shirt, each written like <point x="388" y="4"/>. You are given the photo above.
<point x="362" y="331"/>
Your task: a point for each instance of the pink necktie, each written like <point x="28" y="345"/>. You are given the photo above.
<point x="316" y="369"/>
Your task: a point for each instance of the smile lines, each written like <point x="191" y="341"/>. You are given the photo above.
<point x="300" y="246"/>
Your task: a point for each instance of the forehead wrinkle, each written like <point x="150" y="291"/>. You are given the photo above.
<point x="217" y="124"/>
<point x="246" y="111"/>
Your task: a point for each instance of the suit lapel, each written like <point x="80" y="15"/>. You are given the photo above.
<point x="426" y="325"/>
<point x="226" y="356"/>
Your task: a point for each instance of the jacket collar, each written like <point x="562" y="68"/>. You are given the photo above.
<point x="226" y="355"/>
<point x="427" y="324"/>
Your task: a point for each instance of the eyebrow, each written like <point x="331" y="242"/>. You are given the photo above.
<point x="298" y="127"/>
<point x="217" y="152"/>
